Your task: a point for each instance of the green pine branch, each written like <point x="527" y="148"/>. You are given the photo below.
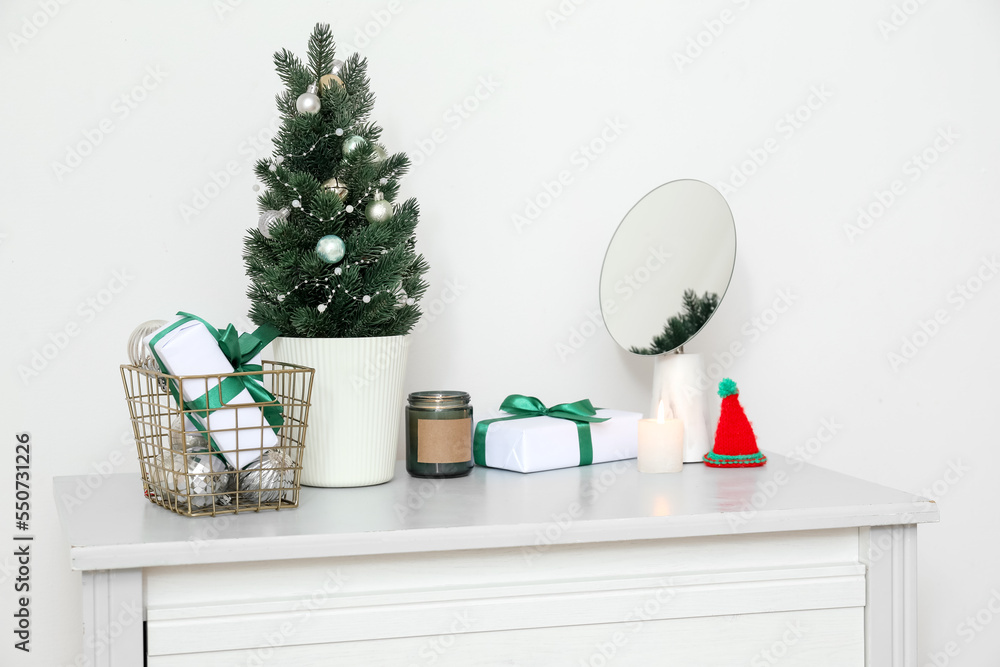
<point x="680" y="328"/>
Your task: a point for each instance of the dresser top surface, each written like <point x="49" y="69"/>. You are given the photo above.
<point x="114" y="526"/>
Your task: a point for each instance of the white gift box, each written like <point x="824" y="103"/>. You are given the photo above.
<point x="532" y="444"/>
<point x="184" y="346"/>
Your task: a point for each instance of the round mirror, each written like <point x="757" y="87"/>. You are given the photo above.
<point x="668" y="267"/>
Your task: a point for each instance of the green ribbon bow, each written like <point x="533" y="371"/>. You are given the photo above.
<point x="582" y="413"/>
<point x="240" y="349"/>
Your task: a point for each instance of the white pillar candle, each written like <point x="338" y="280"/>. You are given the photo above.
<point x="661" y="444"/>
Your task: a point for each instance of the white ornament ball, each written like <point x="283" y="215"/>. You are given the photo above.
<point x="366" y="298"/>
<point x="339" y="131"/>
<point x="337" y="271"/>
<point x="331" y="248"/>
<point x="349" y="208"/>
<point x="308" y="102"/>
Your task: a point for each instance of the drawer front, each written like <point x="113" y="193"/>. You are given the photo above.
<point x="818" y="638"/>
<point x="400" y="604"/>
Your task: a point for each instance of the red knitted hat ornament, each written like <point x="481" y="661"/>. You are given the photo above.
<point x="735" y="443"/>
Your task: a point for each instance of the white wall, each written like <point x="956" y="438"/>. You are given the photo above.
<point x="521" y="293"/>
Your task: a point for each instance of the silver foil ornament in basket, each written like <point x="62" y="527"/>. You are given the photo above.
<point x="266" y="479"/>
<point x="139" y="353"/>
<point x="184" y="440"/>
<point x="199" y="475"/>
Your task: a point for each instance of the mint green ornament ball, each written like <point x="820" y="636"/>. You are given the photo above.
<point x="352" y="145"/>
<point x="331" y="249"/>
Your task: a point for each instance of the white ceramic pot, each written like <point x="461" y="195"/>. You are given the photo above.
<point x="357" y="400"/>
<point x="679" y="380"/>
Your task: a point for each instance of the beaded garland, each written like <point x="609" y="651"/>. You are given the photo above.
<point x="297" y="204"/>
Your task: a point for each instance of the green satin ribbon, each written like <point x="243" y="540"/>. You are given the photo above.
<point x="582" y="413"/>
<point x="240" y="349"/>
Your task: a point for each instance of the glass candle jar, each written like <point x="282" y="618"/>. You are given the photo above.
<point x="438" y="434"/>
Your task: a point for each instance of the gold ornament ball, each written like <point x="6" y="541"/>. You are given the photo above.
<point x="336" y="186"/>
<point x="328" y="80"/>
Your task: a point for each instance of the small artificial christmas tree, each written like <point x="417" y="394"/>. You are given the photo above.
<point x="332" y="255"/>
<point x="681" y="327"/>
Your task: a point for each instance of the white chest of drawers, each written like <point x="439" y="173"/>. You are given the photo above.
<point x="787" y="564"/>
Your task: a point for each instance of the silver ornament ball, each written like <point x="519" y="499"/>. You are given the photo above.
<point x="378" y="209"/>
<point x="308" y="102"/>
<point x="139" y="353"/>
<point x="198" y="476"/>
<point x="331" y="248"/>
<point x="268" y="218"/>
<point x="353" y="144"/>
<point x="337" y="66"/>
<point x="182" y="440"/>
<point x="267" y="479"/>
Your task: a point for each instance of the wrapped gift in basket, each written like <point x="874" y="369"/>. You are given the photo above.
<point x="218" y="430"/>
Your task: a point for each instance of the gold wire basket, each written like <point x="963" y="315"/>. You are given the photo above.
<point x="189" y="471"/>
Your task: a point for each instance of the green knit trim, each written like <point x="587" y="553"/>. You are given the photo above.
<point x="722" y="458"/>
<point x="727" y="388"/>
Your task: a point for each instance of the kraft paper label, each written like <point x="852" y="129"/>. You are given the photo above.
<point x="444" y="440"/>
